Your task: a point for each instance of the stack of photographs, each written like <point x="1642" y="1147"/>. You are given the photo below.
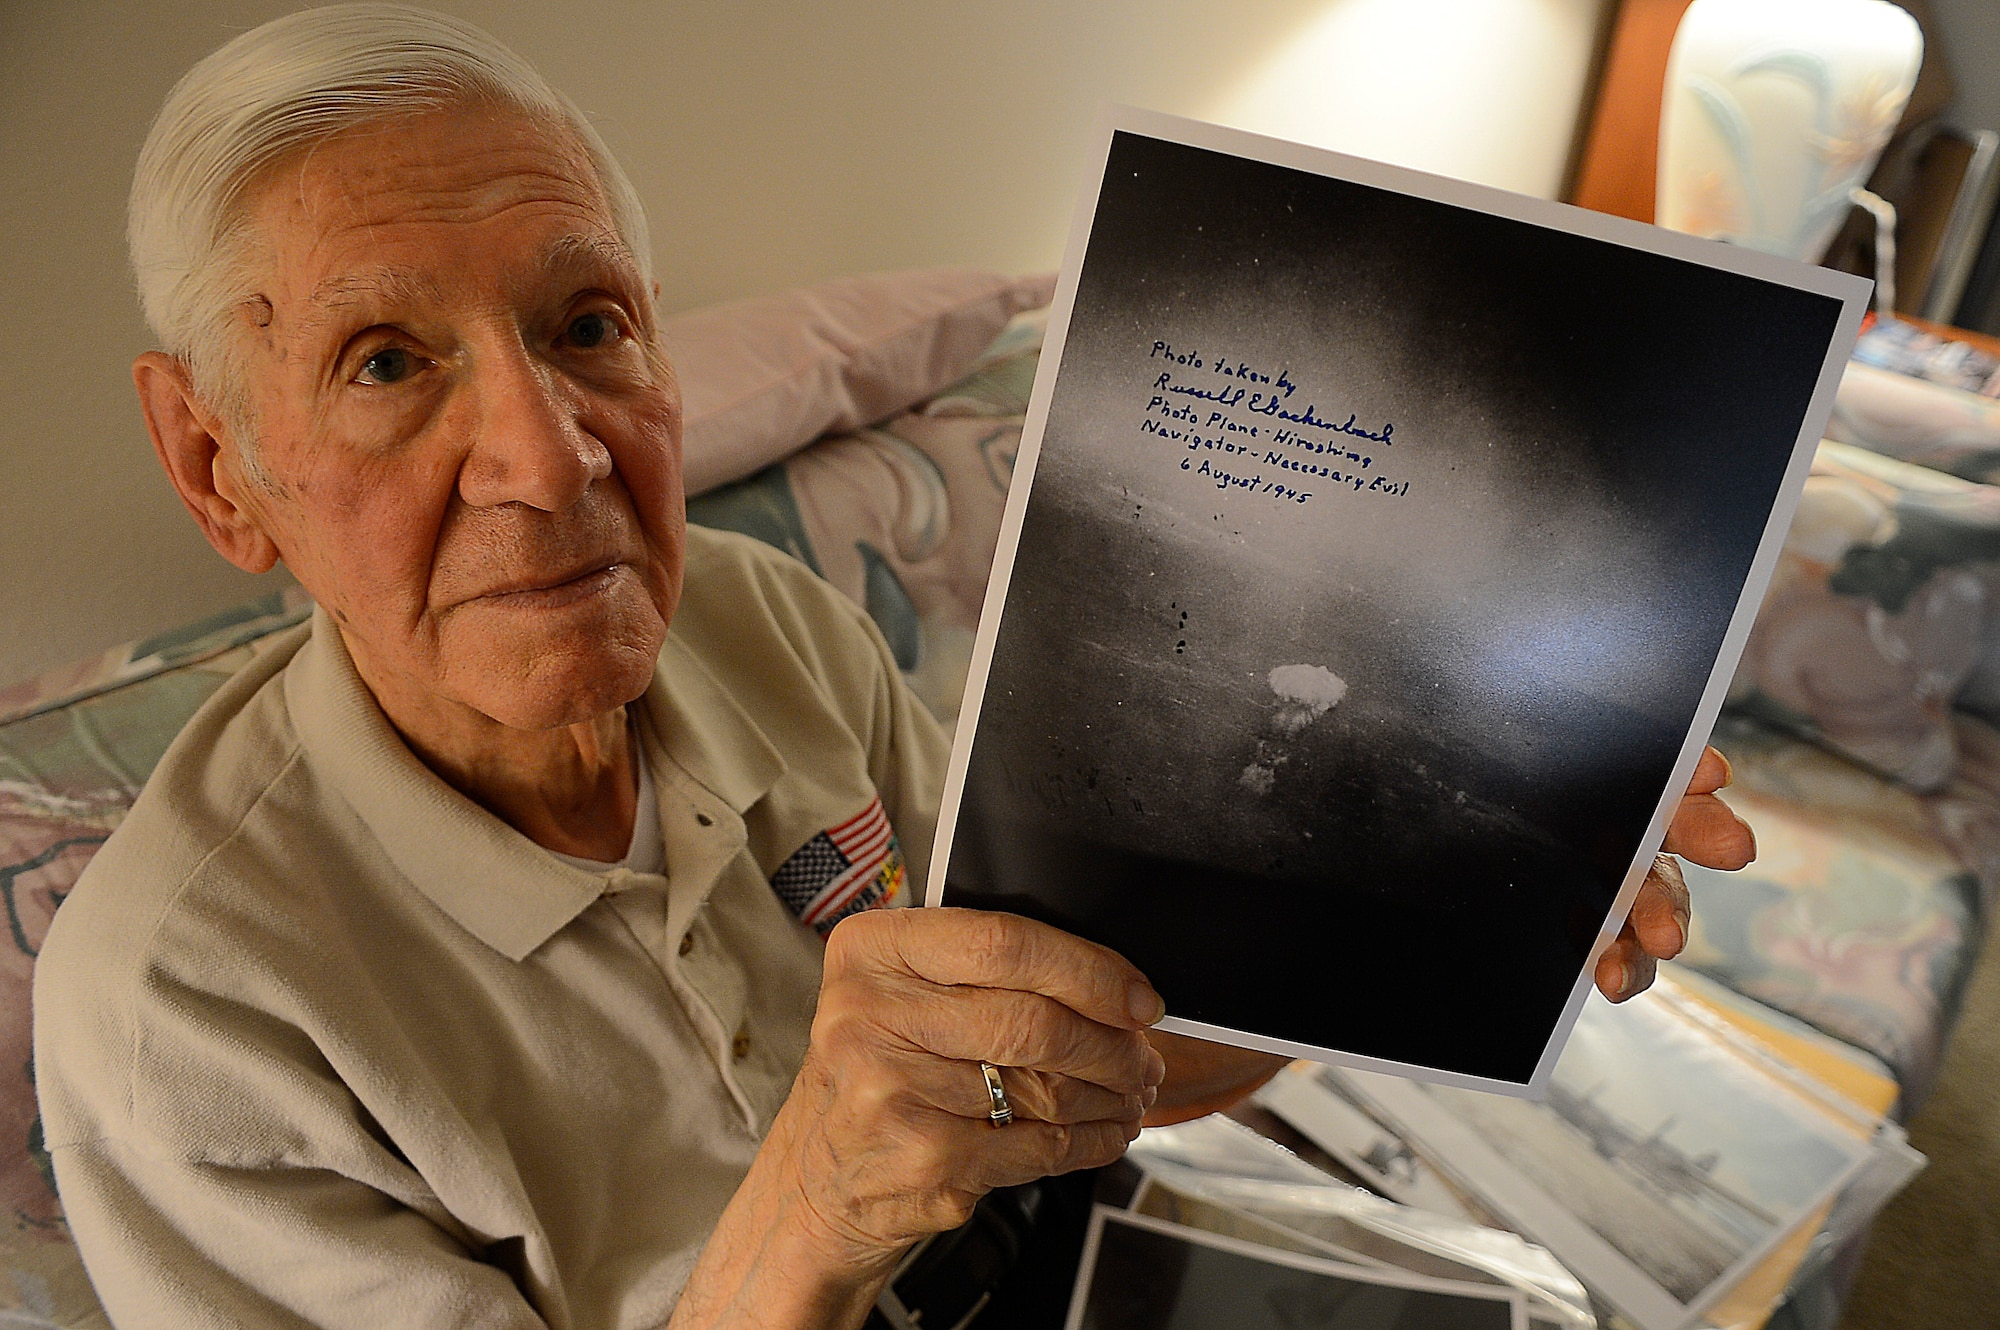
<point x="1226" y="1229"/>
<point x="1691" y="1156"/>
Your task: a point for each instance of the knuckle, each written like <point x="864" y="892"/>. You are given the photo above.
<point x="1058" y="1034"/>
<point x="993" y="941"/>
<point x="1116" y="1137"/>
<point x="952" y="1209"/>
<point x="840" y="1016"/>
<point x="870" y="1094"/>
<point x="1095" y="1145"/>
<point x="1033" y="1094"/>
<point x="840" y="945"/>
<point x="1023" y="1033"/>
<point x="1137" y="1057"/>
<point x="1068" y="1102"/>
<point x="854" y="938"/>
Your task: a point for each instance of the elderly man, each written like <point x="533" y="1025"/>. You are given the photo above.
<point x="438" y="978"/>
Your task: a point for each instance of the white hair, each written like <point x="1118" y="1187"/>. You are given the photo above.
<point x="278" y="90"/>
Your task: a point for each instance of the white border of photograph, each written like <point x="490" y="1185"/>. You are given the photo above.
<point x="1851" y="291"/>
<point x="1521" y="1201"/>
<point x="1280" y="1234"/>
<point x="1101" y="1214"/>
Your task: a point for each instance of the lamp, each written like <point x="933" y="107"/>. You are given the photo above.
<point x="1774" y="114"/>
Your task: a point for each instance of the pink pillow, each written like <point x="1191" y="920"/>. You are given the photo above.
<point x="764" y="377"/>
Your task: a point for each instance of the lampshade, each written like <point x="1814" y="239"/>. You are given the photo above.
<point x="1774" y="111"/>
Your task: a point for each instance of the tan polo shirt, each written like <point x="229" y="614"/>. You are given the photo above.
<point x="321" y="1042"/>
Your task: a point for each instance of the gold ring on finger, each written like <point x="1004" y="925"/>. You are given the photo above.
<point x="1002" y="1112"/>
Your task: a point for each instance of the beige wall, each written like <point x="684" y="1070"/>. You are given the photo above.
<point x="775" y="142"/>
<point x="1970" y="32"/>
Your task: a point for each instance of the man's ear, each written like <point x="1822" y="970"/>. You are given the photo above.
<point x="186" y="437"/>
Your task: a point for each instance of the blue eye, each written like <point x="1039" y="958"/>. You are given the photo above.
<point x="593" y="330"/>
<point x="392" y="364"/>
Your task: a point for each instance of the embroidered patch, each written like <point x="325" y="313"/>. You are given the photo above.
<point x="848" y="868"/>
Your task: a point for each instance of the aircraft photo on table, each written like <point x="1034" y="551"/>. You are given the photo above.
<point x="1379" y="552"/>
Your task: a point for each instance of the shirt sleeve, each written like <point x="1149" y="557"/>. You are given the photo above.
<point x="176" y="1243"/>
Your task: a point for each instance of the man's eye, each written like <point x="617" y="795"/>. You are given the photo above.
<point x="392" y="364"/>
<point x="592" y="330"/>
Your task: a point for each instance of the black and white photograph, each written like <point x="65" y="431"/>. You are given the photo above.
<point x="1387" y="544"/>
<point x="1141" y="1273"/>
<point x="1659" y="1142"/>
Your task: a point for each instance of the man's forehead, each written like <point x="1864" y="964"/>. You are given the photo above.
<point x="562" y="258"/>
<point x="402" y="207"/>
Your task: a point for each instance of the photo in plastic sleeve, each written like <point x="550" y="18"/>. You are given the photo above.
<point x="1221" y="1146"/>
<point x="1374" y="543"/>
<point x="1312" y="1099"/>
<point x="1140" y="1273"/>
<point x="1661" y="1168"/>
<point x="1843" y="1080"/>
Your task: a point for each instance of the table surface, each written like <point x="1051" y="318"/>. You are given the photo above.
<point x="1990" y="345"/>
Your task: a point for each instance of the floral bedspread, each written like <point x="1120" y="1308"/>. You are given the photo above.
<point x="1865" y="908"/>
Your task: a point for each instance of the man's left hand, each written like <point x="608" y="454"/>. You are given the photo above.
<point x="1704" y="831"/>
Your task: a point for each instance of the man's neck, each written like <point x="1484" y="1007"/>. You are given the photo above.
<point x="571" y="788"/>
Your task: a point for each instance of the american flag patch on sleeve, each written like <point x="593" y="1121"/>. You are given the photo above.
<point x="845" y="869"/>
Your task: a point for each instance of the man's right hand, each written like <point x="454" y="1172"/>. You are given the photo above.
<point x="885" y="1137"/>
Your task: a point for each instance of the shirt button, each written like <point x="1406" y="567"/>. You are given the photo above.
<point x="704" y="819"/>
<point x="741" y="1048"/>
<point x="687" y="943"/>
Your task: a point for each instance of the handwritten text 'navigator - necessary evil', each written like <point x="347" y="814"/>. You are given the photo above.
<point x="1241" y="428"/>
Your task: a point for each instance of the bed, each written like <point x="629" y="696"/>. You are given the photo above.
<point x="869" y="426"/>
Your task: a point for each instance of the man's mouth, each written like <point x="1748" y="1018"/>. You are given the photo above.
<point x="558" y="591"/>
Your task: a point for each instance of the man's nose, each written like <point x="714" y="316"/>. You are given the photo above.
<point x="529" y="443"/>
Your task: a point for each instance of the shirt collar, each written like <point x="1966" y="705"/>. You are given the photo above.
<point x="706" y="731"/>
<point x="496" y="883"/>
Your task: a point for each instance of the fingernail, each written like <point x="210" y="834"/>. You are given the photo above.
<point x="1148" y="1097"/>
<point x="1682" y="921"/>
<point x="1621" y="974"/>
<point x="1156" y="1067"/>
<point x="1728" y="772"/>
<point x="1147" y="1007"/>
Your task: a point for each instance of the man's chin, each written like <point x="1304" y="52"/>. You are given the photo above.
<point x="539" y="676"/>
<point x="552" y="699"/>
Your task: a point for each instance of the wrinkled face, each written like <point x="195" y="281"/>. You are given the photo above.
<point x="467" y="451"/>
